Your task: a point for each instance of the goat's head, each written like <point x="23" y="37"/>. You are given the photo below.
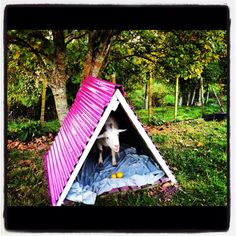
<point x="111" y="138"/>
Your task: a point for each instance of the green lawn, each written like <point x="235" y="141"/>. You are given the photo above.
<point x="166" y="114"/>
<point x="195" y="151"/>
<point x="26" y="185"/>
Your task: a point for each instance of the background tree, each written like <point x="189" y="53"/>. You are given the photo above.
<point x="187" y="53"/>
<point x="99" y="43"/>
<point x="48" y="48"/>
<point x="65" y="57"/>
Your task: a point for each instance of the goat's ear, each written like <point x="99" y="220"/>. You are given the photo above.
<point x="121" y="130"/>
<point x="101" y="136"/>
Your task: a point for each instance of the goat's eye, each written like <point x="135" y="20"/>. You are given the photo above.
<point x="107" y="138"/>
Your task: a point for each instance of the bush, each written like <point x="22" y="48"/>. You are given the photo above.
<point x="155" y="121"/>
<point x="136" y="99"/>
<point x="162" y="93"/>
<point x="142" y="115"/>
<point x="27" y="130"/>
<point x="169" y="100"/>
<point x="24" y="131"/>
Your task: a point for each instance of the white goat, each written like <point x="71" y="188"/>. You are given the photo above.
<point x="110" y="138"/>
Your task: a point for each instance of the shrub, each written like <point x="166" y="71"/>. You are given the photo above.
<point x="136" y="99"/>
<point x="24" y="131"/>
<point x="27" y="130"/>
<point x="155" y="121"/>
<point x="169" y="100"/>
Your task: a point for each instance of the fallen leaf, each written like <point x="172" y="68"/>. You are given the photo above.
<point x="28" y="162"/>
<point x="22" y="147"/>
<point x="42" y="147"/>
<point x="31" y="146"/>
<point x="200" y="144"/>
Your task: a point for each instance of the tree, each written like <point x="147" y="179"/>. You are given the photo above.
<point x="99" y="43"/>
<point x="48" y="48"/>
<point x="23" y="81"/>
<point x="187" y="53"/>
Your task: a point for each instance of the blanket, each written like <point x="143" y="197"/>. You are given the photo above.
<point x="92" y="180"/>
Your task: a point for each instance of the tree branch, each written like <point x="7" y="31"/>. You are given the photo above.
<point x="20" y="42"/>
<point x="135" y="55"/>
<point x="72" y="37"/>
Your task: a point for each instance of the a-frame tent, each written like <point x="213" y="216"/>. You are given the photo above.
<point x="94" y="102"/>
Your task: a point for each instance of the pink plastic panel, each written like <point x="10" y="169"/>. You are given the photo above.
<point x="78" y="126"/>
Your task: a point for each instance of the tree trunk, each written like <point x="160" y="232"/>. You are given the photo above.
<point x="202" y="94"/>
<point x="199" y="103"/>
<point x="180" y="101"/>
<point x="188" y="99"/>
<point x="146" y="97"/>
<point x="43" y="100"/>
<point x="219" y="102"/>
<point x="207" y="97"/>
<point x="150" y="97"/>
<point x="59" y="93"/>
<point x="176" y="97"/>
<point x="58" y="78"/>
<point x="193" y="97"/>
<point x="99" y="45"/>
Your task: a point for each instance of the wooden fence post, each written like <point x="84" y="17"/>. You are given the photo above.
<point x="176" y="96"/>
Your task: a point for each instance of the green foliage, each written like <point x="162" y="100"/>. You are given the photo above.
<point x="23" y="90"/>
<point x="136" y="98"/>
<point x="169" y="100"/>
<point x="76" y="54"/>
<point x="24" y="131"/>
<point x="155" y="121"/>
<point x="160" y="92"/>
<point x="27" y="130"/>
<point x="186" y="54"/>
<point x="31" y="58"/>
<point x="189" y="52"/>
<point x="213" y="72"/>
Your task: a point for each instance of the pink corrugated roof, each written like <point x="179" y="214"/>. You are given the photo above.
<point x="78" y="126"/>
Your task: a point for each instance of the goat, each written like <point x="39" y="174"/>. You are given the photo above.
<point x="109" y="138"/>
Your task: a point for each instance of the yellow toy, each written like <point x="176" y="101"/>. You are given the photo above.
<point x="113" y="176"/>
<point x="119" y="174"/>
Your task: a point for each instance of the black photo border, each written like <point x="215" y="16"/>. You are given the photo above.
<point x="116" y="219"/>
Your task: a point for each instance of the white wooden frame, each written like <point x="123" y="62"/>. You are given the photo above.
<point x="112" y="106"/>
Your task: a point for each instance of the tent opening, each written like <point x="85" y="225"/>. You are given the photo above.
<point x="135" y="161"/>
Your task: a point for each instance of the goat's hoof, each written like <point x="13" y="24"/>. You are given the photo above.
<point x="114" y="165"/>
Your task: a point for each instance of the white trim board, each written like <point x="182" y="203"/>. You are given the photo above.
<point x="112" y="106"/>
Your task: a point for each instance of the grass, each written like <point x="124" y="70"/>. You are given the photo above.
<point x="166" y="114"/>
<point x="195" y="151"/>
<point x="26" y="185"/>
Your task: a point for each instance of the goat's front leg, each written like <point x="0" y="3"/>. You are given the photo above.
<point x="113" y="158"/>
<point x="100" y="149"/>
